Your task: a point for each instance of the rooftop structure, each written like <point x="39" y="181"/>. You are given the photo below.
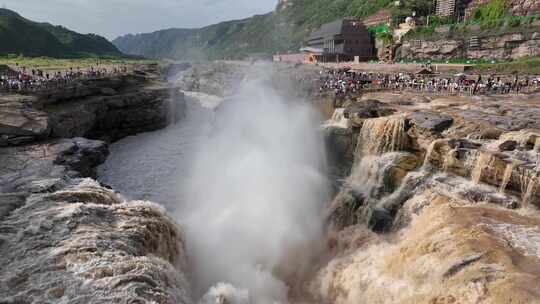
<point x="342" y="40"/>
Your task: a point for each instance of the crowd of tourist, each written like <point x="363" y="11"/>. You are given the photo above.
<point x="345" y="81"/>
<point x="28" y="80"/>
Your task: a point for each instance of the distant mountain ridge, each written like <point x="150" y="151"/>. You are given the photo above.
<point x="19" y="35"/>
<point x="278" y="31"/>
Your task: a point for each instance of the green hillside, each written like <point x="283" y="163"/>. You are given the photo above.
<point x="21" y="36"/>
<point x="282" y="30"/>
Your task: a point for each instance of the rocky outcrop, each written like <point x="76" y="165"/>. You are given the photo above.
<point x="43" y="166"/>
<point x="19" y="122"/>
<point x="64" y="238"/>
<point x="524" y="7"/>
<point x="106" y="108"/>
<point x="500" y="46"/>
<point x="358" y="112"/>
<point x="340" y="143"/>
<point x="430" y="122"/>
<point x="214" y="78"/>
<point x="112" y="117"/>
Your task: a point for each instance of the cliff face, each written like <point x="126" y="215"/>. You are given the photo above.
<point x="107" y="108"/>
<point x="64" y="238"/>
<point x="505" y="46"/>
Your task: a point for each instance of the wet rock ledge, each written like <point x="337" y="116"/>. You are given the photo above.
<point x="63" y="236"/>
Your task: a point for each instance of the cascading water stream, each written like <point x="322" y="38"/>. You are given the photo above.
<point x="507" y="176"/>
<point x="529" y="184"/>
<point x="338" y="119"/>
<point x="482" y="162"/>
<point x="377" y="137"/>
<point x="382" y="135"/>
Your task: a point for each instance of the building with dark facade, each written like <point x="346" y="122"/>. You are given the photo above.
<point x="342" y="40"/>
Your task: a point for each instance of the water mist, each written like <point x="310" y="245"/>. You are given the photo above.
<point x="253" y="209"/>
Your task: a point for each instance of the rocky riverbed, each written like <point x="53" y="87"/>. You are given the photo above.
<point x="435" y="198"/>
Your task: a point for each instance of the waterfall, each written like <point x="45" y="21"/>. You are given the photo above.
<point x="372" y="177"/>
<point x="448" y="160"/>
<point x="382" y="135"/>
<point x="527" y="139"/>
<point x="434" y="144"/>
<point x="529" y="185"/>
<point x="368" y="175"/>
<point x="483" y="161"/>
<point x="507" y="176"/>
<point x="338" y="119"/>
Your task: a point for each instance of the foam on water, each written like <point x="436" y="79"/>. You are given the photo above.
<point x="338" y="119"/>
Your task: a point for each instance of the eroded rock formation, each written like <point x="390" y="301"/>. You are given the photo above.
<point x="64" y="238"/>
<point x="106" y="108"/>
<point x="496" y="46"/>
<point x="441" y="205"/>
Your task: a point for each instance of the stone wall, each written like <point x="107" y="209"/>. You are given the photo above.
<point x="506" y="46"/>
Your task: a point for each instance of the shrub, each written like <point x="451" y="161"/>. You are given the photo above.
<point x="491" y="13"/>
<point x="386" y="38"/>
<point x="513" y="22"/>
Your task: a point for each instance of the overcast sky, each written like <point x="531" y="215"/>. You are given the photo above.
<point x="112" y="18"/>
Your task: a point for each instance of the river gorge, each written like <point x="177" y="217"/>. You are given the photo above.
<point x="231" y="183"/>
